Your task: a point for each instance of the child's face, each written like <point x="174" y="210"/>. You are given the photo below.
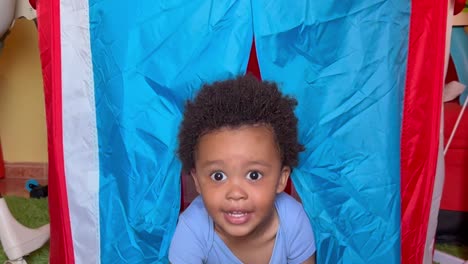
<point x="238" y="172"/>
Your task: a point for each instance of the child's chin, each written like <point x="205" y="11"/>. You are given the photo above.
<point x="239" y="233"/>
<point x="236" y="231"/>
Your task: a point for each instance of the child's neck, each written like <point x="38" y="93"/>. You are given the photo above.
<point x="257" y="247"/>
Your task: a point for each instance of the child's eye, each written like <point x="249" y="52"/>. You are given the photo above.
<point x="254" y="176"/>
<point x="218" y="176"/>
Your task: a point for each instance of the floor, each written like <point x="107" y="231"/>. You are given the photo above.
<point x="16" y="186"/>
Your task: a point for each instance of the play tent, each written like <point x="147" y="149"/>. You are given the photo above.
<point x="368" y="76"/>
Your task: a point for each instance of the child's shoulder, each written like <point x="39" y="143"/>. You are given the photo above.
<point x="196" y="220"/>
<point x="287" y="205"/>
<point x="290" y="212"/>
<point x="193" y="236"/>
<point x="295" y="229"/>
<point x="196" y="212"/>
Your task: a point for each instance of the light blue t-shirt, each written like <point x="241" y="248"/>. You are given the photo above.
<point x="195" y="240"/>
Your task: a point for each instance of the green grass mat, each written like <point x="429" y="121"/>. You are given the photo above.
<point x="32" y="213"/>
<point x="459" y="251"/>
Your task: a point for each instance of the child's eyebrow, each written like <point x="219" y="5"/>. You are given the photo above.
<point x="260" y="163"/>
<point x="209" y="163"/>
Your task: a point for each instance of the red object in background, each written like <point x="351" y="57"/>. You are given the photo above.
<point x="451" y="72"/>
<point x="32" y="3"/>
<point x="2" y="165"/>
<point x="459" y="6"/>
<point x="454" y="197"/>
<point x="253" y="68"/>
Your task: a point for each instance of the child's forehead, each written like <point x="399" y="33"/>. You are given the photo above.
<point x="266" y="131"/>
<point x="241" y="146"/>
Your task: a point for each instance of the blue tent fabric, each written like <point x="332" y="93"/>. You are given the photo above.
<point x="458" y="49"/>
<point x="345" y="63"/>
<point x="148" y="59"/>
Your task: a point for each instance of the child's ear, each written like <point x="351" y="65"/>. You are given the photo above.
<point x="193" y="173"/>
<point x="283" y="180"/>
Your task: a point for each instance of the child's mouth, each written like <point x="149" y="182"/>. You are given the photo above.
<point x="237" y="217"/>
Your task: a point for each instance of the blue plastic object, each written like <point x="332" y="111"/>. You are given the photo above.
<point x="30" y="184"/>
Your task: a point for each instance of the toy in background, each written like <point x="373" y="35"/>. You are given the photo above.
<point x="16" y="239"/>
<point x="460" y="13"/>
<point x="459" y="51"/>
<point x="459" y="6"/>
<point x="36" y="190"/>
<point x="10" y="10"/>
<point x="7" y="13"/>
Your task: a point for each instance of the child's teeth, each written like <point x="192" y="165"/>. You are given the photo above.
<point x="237" y="214"/>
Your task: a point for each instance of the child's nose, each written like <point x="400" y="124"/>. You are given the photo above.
<point x="236" y="192"/>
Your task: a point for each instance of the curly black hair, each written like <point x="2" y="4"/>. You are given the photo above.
<point x="235" y="103"/>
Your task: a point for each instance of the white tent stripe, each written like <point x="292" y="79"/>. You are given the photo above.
<point x="80" y="144"/>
